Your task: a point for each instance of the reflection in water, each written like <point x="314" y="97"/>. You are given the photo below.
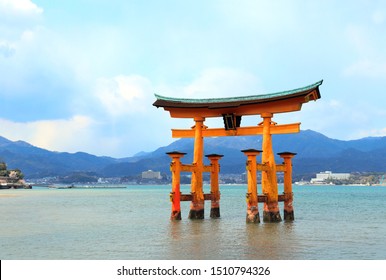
<point x="269" y="241"/>
<point x="133" y="223"/>
<point x="230" y="239"/>
<point x="193" y="239"/>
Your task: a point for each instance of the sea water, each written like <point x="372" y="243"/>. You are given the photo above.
<point x="331" y="222"/>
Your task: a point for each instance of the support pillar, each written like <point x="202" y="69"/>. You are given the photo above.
<point x="269" y="180"/>
<point x="251" y="196"/>
<point x="175" y="195"/>
<point x="197" y="204"/>
<point x="288" y="202"/>
<point x="214" y="185"/>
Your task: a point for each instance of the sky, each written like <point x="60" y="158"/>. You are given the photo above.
<point x="81" y="75"/>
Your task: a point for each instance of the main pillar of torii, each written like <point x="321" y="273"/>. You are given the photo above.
<point x="231" y="110"/>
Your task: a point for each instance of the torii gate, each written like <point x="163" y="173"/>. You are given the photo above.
<point x="231" y="110"/>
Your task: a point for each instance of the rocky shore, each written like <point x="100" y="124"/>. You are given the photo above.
<point x="12" y="179"/>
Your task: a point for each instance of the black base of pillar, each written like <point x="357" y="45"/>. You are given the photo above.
<point x="215" y="212"/>
<point x="271" y="217"/>
<point x="196" y="214"/>
<point x="253" y="218"/>
<point x="176" y="215"/>
<point x="289" y="215"/>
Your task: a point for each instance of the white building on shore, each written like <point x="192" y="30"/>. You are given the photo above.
<point x="150" y="174"/>
<point x="322" y="177"/>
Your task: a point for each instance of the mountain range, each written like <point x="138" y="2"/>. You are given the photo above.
<point x="315" y="153"/>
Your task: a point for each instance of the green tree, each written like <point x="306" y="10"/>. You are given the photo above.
<point x="3" y="166"/>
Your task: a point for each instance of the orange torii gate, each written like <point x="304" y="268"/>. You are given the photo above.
<point x="231" y="110"/>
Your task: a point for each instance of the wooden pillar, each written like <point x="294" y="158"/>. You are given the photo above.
<point x="251" y="196"/>
<point x="214" y="185"/>
<point x="288" y="202"/>
<point x="197" y="204"/>
<point x="175" y="195"/>
<point x="269" y="180"/>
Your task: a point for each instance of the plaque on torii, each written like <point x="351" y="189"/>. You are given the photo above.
<point x="231" y="110"/>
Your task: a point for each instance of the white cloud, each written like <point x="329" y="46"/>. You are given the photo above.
<point x="215" y="83"/>
<point x="19" y="7"/>
<point x="378" y="17"/>
<point x="12" y="10"/>
<point x="367" y="68"/>
<point x="334" y="103"/>
<point x="19" y="20"/>
<point x="367" y="51"/>
<point x="80" y="65"/>
<point x="57" y="135"/>
<point x="83" y="133"/>
<point x="6" y="49"/>
<point x="271" y="18"/>
<point x="35" y="64"/>
<point x="372" y="133"/>
<point x="339" y="119"/>
<point x="124" y="95"/>
<point x="359" y="39"/>
<point x="222" y="82"/>
<point x="331" y="117"/>
<point x="16" y="16"/>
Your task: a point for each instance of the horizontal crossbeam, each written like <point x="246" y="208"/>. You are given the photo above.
<point x="192" y="168"/>
<point x="189" y="197"/>
<point x="240" y="131"/>
<point x="209" y="196"/>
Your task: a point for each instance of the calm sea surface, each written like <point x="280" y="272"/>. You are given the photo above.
<point x="331" y="222"/>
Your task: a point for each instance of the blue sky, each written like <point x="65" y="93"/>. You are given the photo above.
<point x="81" y="75"/>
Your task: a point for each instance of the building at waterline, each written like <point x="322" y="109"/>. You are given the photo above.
<point x="324" y="177"/>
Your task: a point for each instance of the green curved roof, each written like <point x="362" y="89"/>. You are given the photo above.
<point x="163" y="101"/>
